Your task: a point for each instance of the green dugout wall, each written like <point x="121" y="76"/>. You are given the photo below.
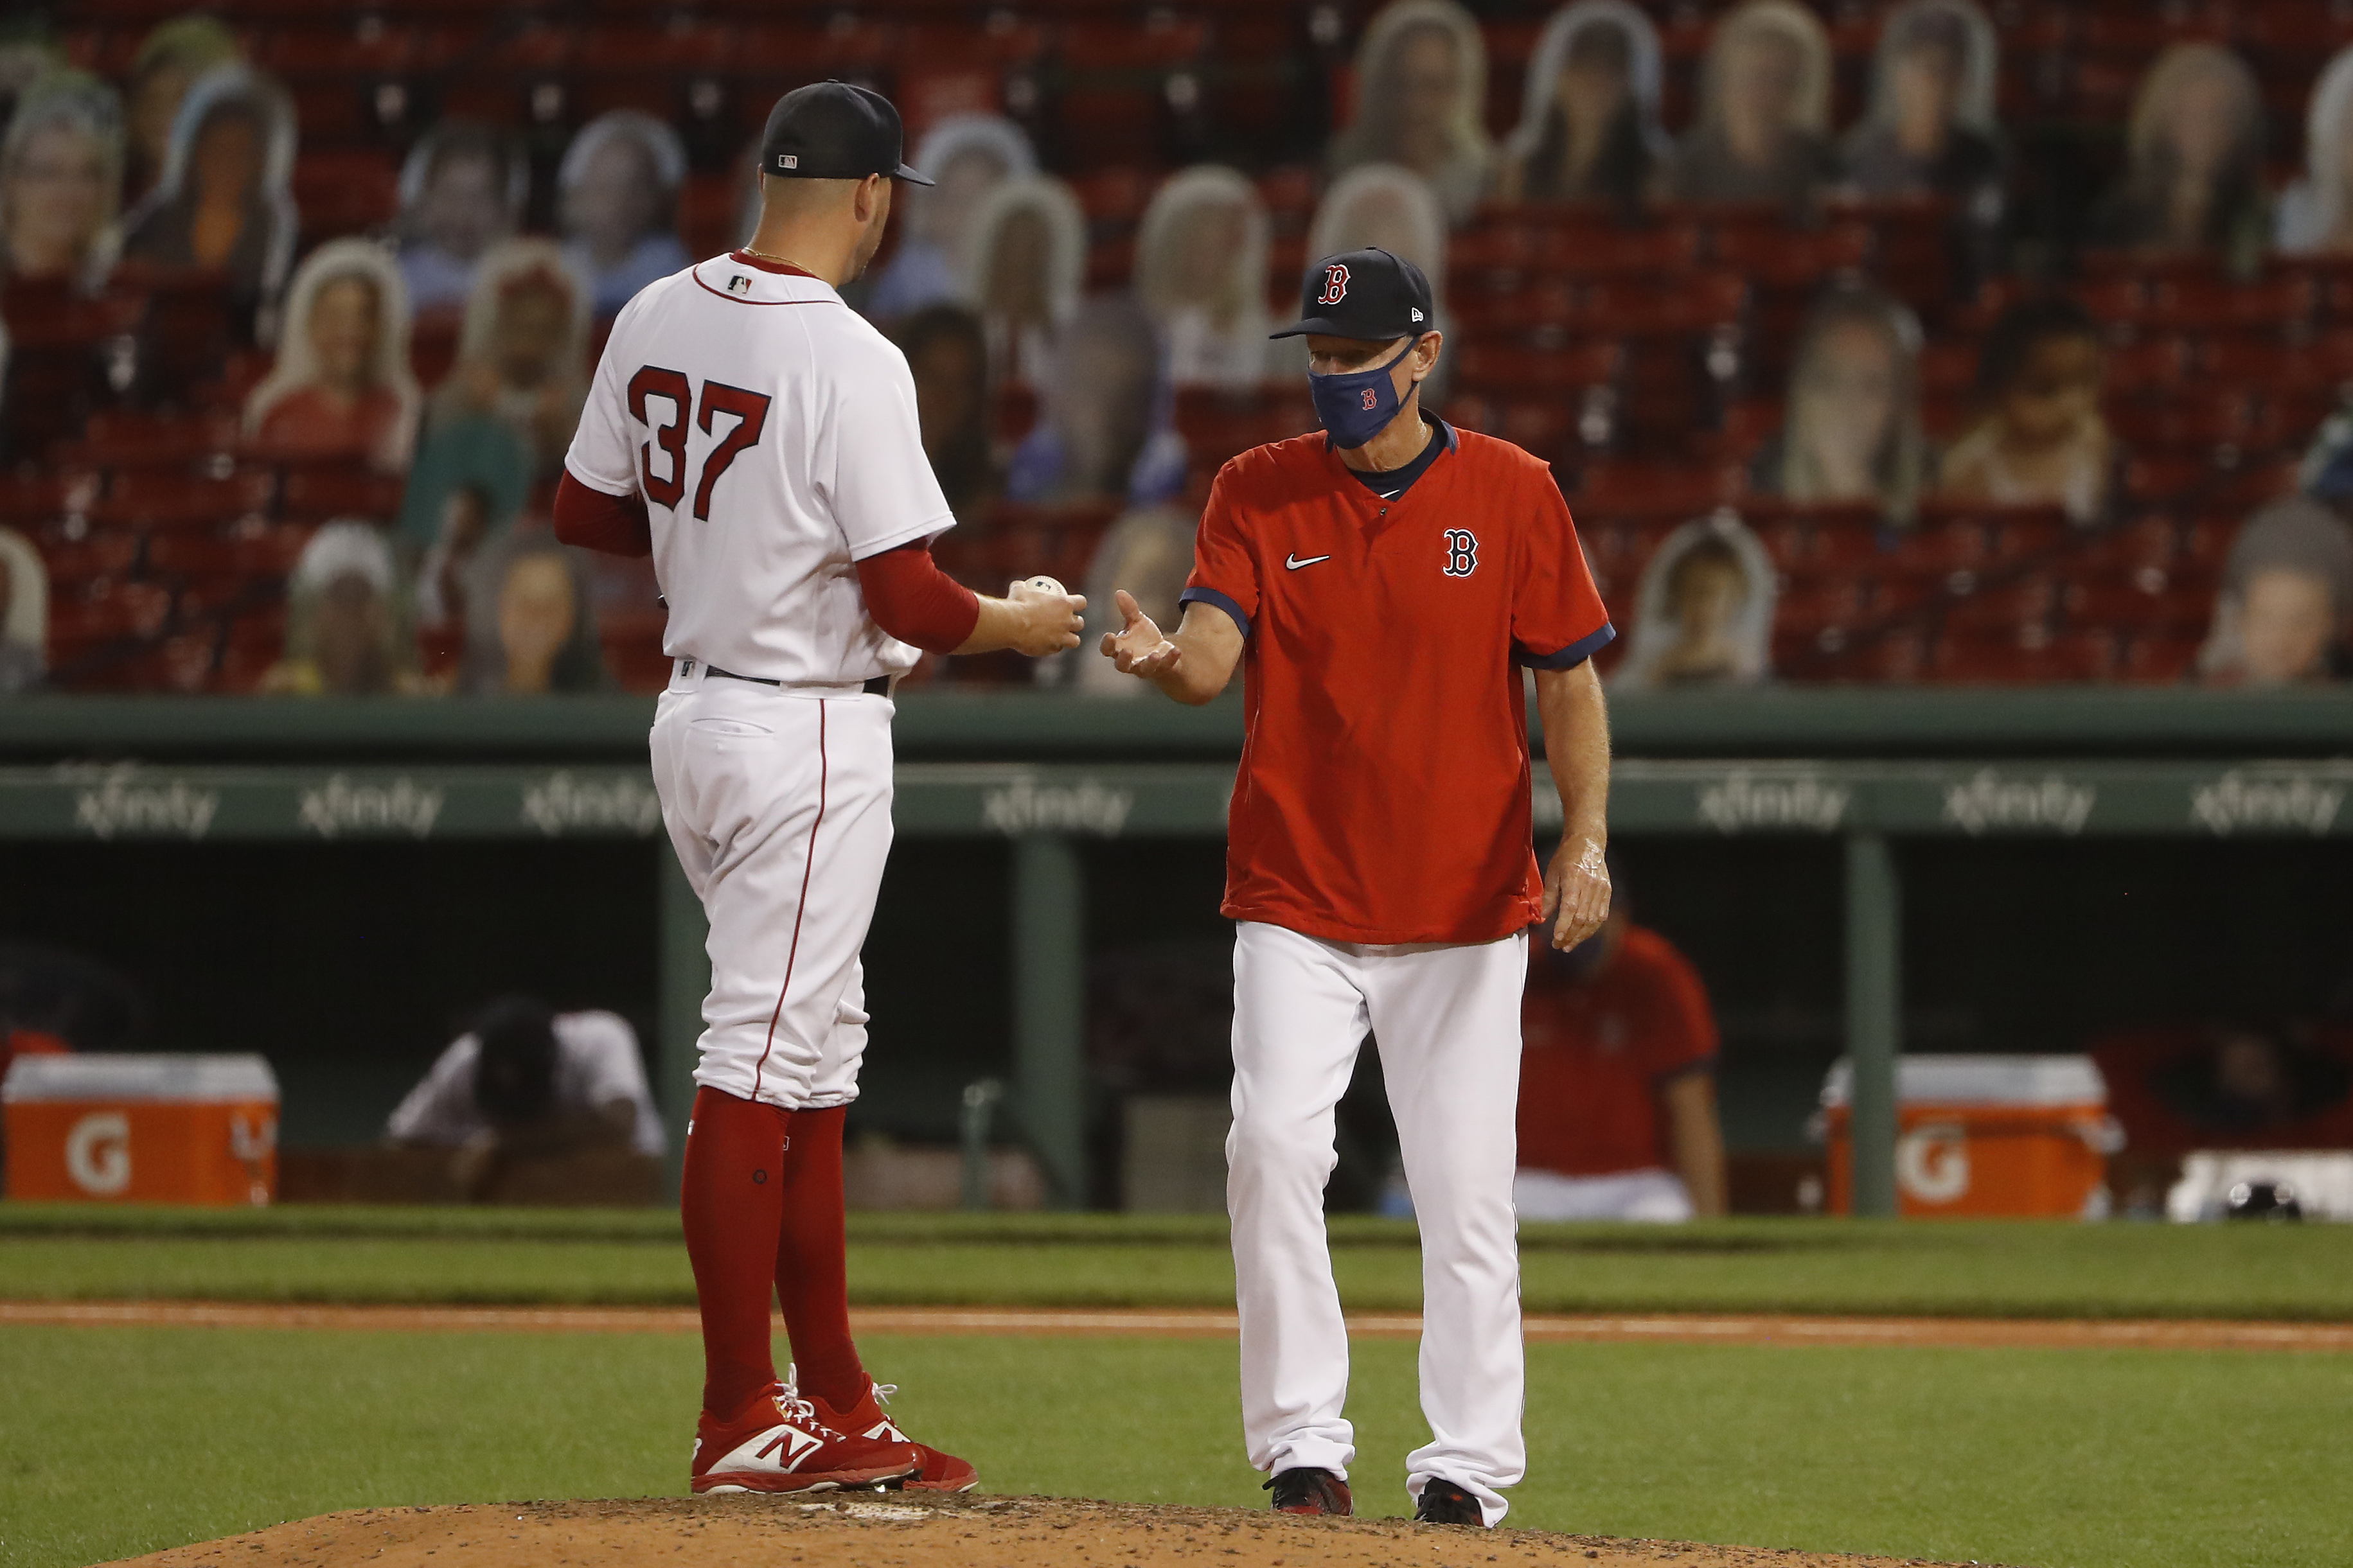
<point x="1048" y="773"/>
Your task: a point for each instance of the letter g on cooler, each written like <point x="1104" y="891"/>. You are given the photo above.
<point x="98" y="1153"/>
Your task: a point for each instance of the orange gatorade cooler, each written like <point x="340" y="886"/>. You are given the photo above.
<point x="142" y="1128"/>
<point x="1986" y="1136"/>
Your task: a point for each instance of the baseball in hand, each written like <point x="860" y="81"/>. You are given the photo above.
<point x="1049" y="584"/>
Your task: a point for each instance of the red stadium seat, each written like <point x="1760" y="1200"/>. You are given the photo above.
<point x="75" y="563"/>
<point x="1510" y="370"/>
<point x="315" y="492"/>
<point x="2022" y="605"/>
<point x="162" y="500"/>
<point x="2158" y="658"/>
<point x="2126" y="607"/>
<point x="346" y="191"/>
<point x="1693" y="308"/>
<point x="1598" y="251"/>
<point x="1655" y="491"/>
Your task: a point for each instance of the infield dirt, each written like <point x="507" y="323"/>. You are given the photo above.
<point x="895" y="1530"/>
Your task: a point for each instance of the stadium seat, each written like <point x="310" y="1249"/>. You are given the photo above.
<point x="1512" y="370"/>
<point x="163" y="500"/>
<point x="346" y="191"/>
<point x="1597" y="252"/>
<point x="75" y="563"/>
<point x="131" y="440"/>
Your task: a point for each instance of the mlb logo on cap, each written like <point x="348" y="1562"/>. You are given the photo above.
<point x="788" y="161"/>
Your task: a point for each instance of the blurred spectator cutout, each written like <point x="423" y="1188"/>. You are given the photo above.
<point x="60" y="178"/>
<point x="28" y="51"/>
<point x="24" y="613"/>
<point x="1389" y="208"/>
<point x="223" y="204"/>
<point x="1201" y="271"/>
<point x="1764" y="119"/>
<point x="470" y="519"/>
<point x="344" y="632"/>
<point x="1149" y="553"/>
<point x="481" y="455"/>
<point x="2315" y="213"/>
<point x="2287" y="599"/>
<point x="2193" y="180"/>
<point x="1421" y="101"/>
<point x="170" y="60"/>
<point x="1616" y="1114"/>
<point x="522" y="358"/>
<point x="1026" y="265"/>
<point x="969" y="156"/>
<point x="948" y="352"/>
<point x="341" y="385"/>
<point x="1588" y="127"/>
<point x="531" y="627"/>
<point x="527" y="1082"/>
<point x="1103" y="431"/>
<point x="1704" y="614"/>
<point x="618" y="183"/>
<point x="2039" y="439"/>
<point x="1931" y="128"/>
<point x="1852" y="432"/>
<point x="462" y="190"/>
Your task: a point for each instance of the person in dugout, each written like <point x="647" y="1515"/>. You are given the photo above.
<point x="1616" y="1081"/>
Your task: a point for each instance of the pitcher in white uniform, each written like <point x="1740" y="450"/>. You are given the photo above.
<point x="758" y="438"/>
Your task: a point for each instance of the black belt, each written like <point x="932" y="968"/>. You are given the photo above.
<point x="878" y="687"/>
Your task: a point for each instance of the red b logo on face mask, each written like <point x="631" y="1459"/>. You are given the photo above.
<point x="1372" y="399"/>
<point x="1335" y="285"/>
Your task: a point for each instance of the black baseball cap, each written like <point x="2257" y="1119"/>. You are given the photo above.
<point x="1366" y="294"/>
<point x="834" y="130"/>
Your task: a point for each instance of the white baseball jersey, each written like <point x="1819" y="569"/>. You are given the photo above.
<point x="772" y="432"/>
<point x="596" y="1062"/>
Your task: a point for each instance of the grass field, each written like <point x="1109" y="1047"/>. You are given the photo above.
<point x="116" y="1441"/>
<point x="634" y="1257"/>
<point x="119" y="1440"/>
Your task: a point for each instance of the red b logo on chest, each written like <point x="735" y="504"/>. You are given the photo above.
<point x="1335" y="285"/>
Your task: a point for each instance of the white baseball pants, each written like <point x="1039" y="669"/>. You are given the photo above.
<point x="778" y="803"/>
<point x="1448" y="1022"/>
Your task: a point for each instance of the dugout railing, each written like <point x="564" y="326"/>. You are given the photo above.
<point x="1048" y="774"/>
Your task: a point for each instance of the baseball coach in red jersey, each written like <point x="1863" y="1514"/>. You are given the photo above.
<point x="1381" y="585"/>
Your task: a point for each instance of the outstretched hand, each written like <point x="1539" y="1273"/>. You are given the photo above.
<point x="1139" y="647"/>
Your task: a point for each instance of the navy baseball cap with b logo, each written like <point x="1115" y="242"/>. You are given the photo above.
<point x="835" y="130"/>
<point x="1366" y="294"/>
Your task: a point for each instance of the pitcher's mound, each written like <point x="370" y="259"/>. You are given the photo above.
<point x="916" y="1531"/>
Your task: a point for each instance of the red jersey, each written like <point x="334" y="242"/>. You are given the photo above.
<point x="1592" y="1058"/>
<point x="1383" y="796"/>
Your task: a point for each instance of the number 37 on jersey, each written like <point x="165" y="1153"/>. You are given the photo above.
<point x="665" y="402"/>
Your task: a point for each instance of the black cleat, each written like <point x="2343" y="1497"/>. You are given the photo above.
<point x="1306" y="1489"/>
<point x="1443" y="1502"/>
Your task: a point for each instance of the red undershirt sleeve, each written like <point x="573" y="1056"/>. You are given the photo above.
<point x="910" y="597"/>
<point x="588" y="518"/>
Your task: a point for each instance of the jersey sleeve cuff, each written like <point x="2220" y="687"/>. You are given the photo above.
<point x="866" y="550"/>
<point x="1211" y="596"/>
<point x="1572" y="656"/>
<point x="625" y="488"/>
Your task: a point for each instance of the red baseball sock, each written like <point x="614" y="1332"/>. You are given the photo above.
<point x="812" y="1271"/>
<point x="730" y="1198"/>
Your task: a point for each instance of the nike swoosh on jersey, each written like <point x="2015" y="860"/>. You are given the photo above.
<point x="1291" y="562"/>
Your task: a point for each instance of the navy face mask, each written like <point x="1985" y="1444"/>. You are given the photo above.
<point x="1356" y="405"/>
